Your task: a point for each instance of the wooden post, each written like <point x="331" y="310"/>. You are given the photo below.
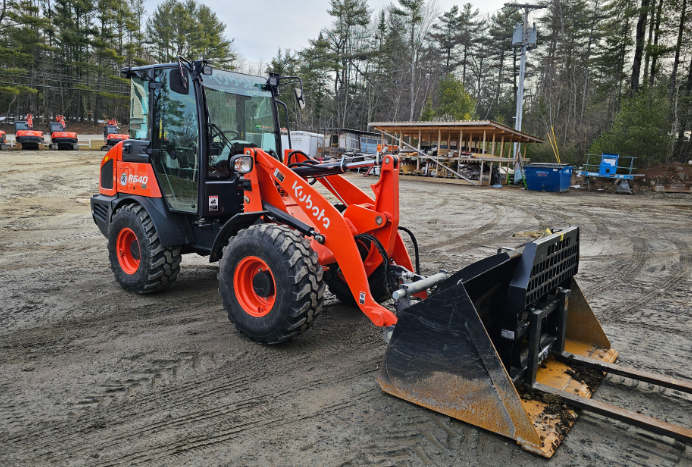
<point x="490" y="177"/>
<point x="492" y="146"/>
<point x="418" y="154"/>
<point x="480" y="178"/>
<point x="459" y="145"/>
<point x="483" y="149"/>
<point x="449" y="143"/>
<point x="502" y="153"/>
<point x="437" y="158"/>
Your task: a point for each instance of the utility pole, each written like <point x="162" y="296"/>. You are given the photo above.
<point x="526" y="38"/>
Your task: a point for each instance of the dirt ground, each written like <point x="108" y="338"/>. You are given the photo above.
<point x="90" y="374"/>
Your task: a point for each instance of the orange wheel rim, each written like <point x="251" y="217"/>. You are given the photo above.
<point x="254" y="285"/>
<point x="127" y="248"/>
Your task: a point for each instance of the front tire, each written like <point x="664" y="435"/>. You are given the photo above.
<point x="138" y="260"/>
<point x="270" y="283"/>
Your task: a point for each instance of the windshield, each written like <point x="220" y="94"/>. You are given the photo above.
<point x="240" y="114"/>
<point x="21" y="126"/>
<point x="56" y="126"/>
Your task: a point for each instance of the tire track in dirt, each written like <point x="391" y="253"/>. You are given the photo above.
<point x="626" y="268"/>
<point x="198" y="390"/>
<point x="457" y="242"/>
<point x="243" y="409"/>
<point x="677" y="273"/>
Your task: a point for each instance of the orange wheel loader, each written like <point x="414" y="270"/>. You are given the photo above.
<point x="494" y="344"/>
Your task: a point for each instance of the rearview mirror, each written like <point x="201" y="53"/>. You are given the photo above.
<point x="299" y="97"/>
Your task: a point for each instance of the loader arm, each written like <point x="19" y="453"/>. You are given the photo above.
<point x="274" y="183"/>
<point x="386" y="202"/>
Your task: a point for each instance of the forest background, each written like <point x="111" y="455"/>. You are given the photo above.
<point x="607" y="75"/>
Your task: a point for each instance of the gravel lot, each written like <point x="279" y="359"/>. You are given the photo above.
<point x="94" y="375"/>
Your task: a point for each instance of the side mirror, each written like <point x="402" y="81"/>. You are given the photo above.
<point x="206" y="70"/>
<point x="299" y="97"/>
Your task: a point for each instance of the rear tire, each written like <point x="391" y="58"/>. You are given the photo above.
<point x="270" y="283"/>
<point x="138" y="260"/>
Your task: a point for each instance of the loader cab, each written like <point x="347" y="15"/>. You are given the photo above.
<point x="194" y="120"/>
<point x="56" y="126"/>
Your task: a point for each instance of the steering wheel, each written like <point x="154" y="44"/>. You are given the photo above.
<point x="218" y="131"/>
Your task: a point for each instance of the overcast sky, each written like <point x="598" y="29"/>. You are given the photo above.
<point x="260" y="27"/>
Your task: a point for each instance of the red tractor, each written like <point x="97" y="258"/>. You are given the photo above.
<point x="59" y="137"/>
<point x="112" y="135"/>
<point x="3" y="139"/>
<point x="206" y="174"/>
<point x="25" y="135"/>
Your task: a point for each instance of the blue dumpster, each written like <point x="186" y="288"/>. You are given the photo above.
<point x="545" y="176"/>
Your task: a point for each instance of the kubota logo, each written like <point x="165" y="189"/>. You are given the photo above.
<point x="316" y="212"/>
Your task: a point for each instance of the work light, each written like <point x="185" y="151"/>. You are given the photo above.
<point x="241" y="163"/>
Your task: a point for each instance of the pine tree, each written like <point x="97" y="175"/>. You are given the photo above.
<point x="411" y="12"/>
<point x="446" y="34"/>
<point x="470" y="27"/>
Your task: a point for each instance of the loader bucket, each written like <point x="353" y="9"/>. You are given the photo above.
<point x="473" y="348"/>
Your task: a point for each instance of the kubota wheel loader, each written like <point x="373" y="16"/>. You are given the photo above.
<point x="204" y="172"/>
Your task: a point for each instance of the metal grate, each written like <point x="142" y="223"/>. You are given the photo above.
<point x="107" y="175"/>
<point x="559" y="263"/>
<point x="100" y="211"/>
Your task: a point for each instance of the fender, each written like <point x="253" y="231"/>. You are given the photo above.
<point x="172" y="228"/>
<point x="246" y="219"/>
<point x="230" y="228"/>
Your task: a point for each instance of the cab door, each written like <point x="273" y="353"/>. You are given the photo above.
<point x="175" y="139"/>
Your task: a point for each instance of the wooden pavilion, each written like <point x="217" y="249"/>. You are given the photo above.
<point x="450" y="149"/>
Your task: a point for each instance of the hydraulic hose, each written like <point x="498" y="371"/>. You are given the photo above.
<point x="415" y="247"/>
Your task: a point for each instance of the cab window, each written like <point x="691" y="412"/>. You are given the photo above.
<point x="175" y="139"/>
<point x="139" y="109"/>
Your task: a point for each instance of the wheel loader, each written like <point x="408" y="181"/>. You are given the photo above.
<point x="504" y="343"/>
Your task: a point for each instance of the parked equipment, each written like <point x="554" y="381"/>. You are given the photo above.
<point x="59" y="137"/>
<point x="3" y="140"/>
<point x="112" y="135"/>
<point x="608" y="169"/>
<point x="495" y="344"/>
<point x="25" y="135"/>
